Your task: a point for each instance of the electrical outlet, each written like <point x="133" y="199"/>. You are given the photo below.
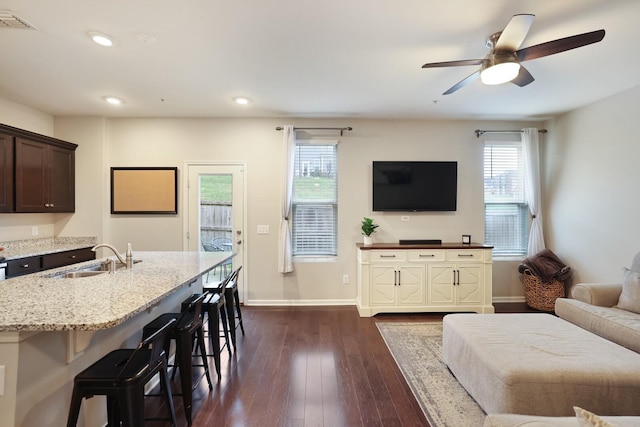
<point x="34" y="230"/>
<point x="405" y="218"/>
<point x="345" y="279"/>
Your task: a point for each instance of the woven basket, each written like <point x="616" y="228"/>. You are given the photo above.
<point x="541" y="295"/>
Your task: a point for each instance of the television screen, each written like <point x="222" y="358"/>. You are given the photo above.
<point x="414" y="186"/>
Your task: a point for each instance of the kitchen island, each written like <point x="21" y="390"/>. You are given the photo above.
<point x="52" y="327"/>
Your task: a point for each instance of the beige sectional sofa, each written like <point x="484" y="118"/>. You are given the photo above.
<point x="594" y="307"/>
<point x="610" y="310"/>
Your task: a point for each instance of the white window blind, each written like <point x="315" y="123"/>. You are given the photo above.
<point x="315" y="199"/>
<point x="506" y="222"/>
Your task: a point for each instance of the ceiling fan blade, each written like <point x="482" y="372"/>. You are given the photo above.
<point x="523" y="78"/>
<point x="454" y="63"/>
<point x="463" y="82"/>
<point x="559" y="45"/>
<point x="514" y="33"/>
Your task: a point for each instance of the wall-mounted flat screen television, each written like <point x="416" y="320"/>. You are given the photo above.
<point x="415" y="186"/>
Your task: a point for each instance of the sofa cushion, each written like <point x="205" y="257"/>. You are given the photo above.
<point x="614" y="324"/>
<point x="630" y="296"/>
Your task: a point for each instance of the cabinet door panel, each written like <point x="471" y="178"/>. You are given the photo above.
<point x="411" y="289"/>
<point x="441" y="285"/>
<point x="6" y="173"/>
<point x="469" y="287"/>
<point x="31" y="176"/>
<point x="383" y="279"/>
<point x="62" y="182"/>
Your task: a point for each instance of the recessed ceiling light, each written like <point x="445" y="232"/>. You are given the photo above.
<point x="112" y="100"/>
<point x="241" y="100"/>
<point x="102" y="39"/>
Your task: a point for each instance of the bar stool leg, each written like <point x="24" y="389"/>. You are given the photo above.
<point x="231" y="317"/>
<point x="74" y="408"/>
<point x="225" y="327"/>
<point x="183" y="355"/>
<point x="203" y="355"/>
<point x="166" y="387"/>
<point x="214" y="328"/>
<point x="236" y="298"/>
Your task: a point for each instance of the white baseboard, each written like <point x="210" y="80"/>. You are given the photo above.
<point x="508" y="299"/>
<point x="312" y="302"/>
<point x="321" y="302"/>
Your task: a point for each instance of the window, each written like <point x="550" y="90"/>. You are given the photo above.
<point x="315" y="199"/>
<point x="506" y="214"/>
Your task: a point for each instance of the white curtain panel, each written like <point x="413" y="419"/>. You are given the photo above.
<point x="285" y="257"/>
<point x="530" y="143"/>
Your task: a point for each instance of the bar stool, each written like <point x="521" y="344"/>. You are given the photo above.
<point x="188" y="327"/>
<point x="213" y="305"/>
<point x="229" y="288"/>
<point x="121" y="376"/>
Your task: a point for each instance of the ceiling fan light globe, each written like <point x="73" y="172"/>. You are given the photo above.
<point x="500" y="73"/>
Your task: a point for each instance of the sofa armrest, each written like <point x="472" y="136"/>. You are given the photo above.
<point x="601" y="294"/>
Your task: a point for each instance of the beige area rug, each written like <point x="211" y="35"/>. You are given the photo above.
<point x="417" y="349"/>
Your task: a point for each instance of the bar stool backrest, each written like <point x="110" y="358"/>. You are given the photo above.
<point x="193" y="312"/>
<point x="155" y="357"/>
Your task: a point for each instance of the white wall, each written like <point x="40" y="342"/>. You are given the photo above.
<point x="591" y="179"/>
<point x="171" y="142"/>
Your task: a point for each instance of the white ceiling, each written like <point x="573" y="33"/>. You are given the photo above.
<point x="307" y="58"/>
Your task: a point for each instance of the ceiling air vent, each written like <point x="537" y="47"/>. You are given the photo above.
<point x="9" y="19"/>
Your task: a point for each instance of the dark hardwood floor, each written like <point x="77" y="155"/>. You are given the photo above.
<point x="308" y="366"/>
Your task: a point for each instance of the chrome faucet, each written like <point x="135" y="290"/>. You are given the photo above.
<point x="128" y="262"/>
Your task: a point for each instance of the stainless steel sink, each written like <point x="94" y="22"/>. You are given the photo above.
<point x="88" y="271"/>
<point x="82" y="273"/>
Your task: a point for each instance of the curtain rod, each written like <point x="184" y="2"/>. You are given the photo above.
<point x="479" y="132"/>
<point x="348" y="128"/>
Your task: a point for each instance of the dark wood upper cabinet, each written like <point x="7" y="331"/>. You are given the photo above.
<point x="6" y="173"/>
<point x="43" y="173"/>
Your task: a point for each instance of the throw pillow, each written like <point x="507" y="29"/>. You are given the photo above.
<point x="635" y="264"/>
<point x="630" y="297"/>
<point x="589" y="419"/>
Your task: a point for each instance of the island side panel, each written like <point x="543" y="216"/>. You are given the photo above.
<point x="45" y="380"/>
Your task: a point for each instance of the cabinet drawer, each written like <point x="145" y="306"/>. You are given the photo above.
<point x="426" y="255"/>
<point x="462" y="255"/>
<point x="18" y="267"/>
<point x="61" y="259"/>
<point x="388" y="256"/>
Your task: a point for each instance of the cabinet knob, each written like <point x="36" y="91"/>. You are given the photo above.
<point x="51" y="205"/>
<point x="25" y="266"/>
<point x="72" y="256"/>
<point x="46" y="205"/>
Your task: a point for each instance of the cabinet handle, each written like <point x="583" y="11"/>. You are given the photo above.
<point x="72" y="256"/>
<point x="395" y="278"/>
<point x="465" y="255"/>
<point x="426" y="256"/>
<point x="387" y="256"/>
<point x="25" y="266"/>
<point x="399" y="280"/>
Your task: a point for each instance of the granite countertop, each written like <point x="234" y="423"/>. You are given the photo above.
<point x="39" y="302"/>
<point x="32" y="247"/>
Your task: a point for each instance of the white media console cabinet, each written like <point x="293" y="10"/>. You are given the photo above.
<point x="413" y="278"/>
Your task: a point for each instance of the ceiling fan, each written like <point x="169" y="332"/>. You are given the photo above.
<point x="502" y="64"/>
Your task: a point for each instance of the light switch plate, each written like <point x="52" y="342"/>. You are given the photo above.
<point x="263" y="229"/>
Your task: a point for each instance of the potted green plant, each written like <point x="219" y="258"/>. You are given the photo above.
<point x="368" y="228"/>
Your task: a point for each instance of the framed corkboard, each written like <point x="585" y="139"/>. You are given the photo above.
<point x="149" y="190"/>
